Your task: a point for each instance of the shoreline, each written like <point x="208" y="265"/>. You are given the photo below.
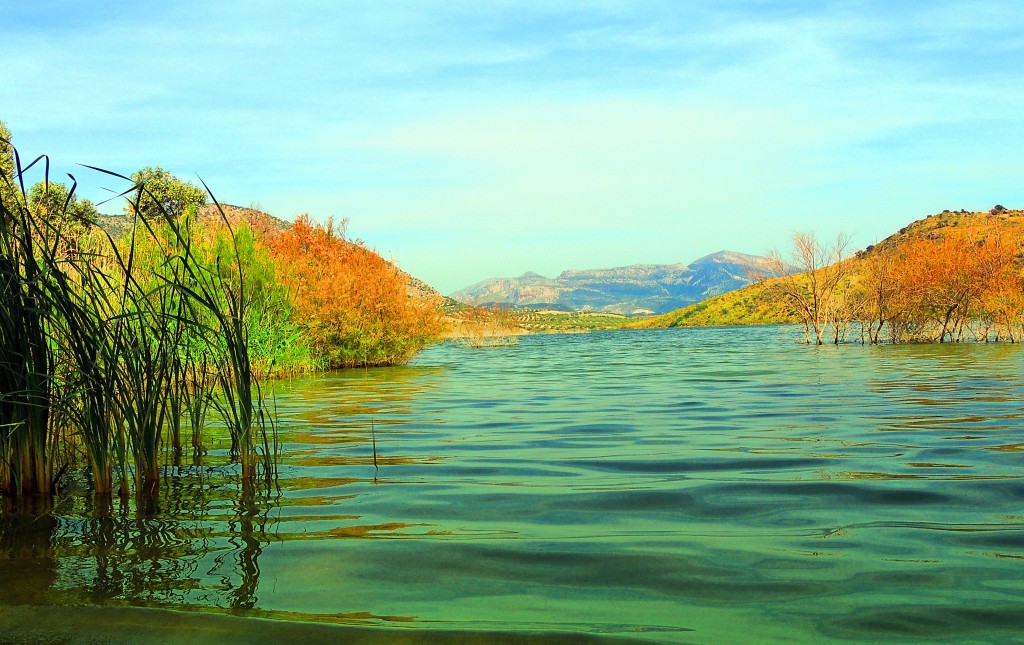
<point x="91" y="625"/>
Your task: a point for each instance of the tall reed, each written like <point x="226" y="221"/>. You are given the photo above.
<point x="107" y="344"/>
<point x="26" y="365"/>
<point x="220" y="296"/>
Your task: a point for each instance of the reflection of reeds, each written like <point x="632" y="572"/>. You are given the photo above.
<point x="194" y="542"/>
<point x="104" y="345"/>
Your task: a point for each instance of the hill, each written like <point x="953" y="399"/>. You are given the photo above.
<point x="639" y="288"/>
<point x="263" y="224"/>
<point x="754" y="304"/>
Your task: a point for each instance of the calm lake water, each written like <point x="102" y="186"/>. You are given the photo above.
<point x="691" y="485"/>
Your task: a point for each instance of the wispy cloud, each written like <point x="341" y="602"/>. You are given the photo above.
<point x="685" y="127"/>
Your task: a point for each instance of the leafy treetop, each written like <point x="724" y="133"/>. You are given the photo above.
<point x="50" y="199"/>
<point x="6" y="160"/>
<point x="162" y="194"/>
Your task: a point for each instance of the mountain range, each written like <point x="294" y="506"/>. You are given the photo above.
<point x="635" y="289"/>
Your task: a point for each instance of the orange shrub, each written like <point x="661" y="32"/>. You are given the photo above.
<point x="356" y="306"/>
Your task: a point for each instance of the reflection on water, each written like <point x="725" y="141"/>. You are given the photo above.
<point x="195" y="544"/>
<point x="677" y="485"/>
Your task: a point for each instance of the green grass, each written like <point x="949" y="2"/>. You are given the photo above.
<point x="751" y="305"/>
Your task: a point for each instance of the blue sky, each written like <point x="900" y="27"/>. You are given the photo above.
<point x="469" y="140"/>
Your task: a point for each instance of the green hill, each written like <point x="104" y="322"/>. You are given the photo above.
<point x="750" y="305"/>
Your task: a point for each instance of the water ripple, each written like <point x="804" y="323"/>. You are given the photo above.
<point x="704" y="485"/>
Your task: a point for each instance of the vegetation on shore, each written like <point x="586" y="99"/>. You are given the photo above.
<point x="114" y="350"/>
<point x="108" y="348"/>
<point x="489" y="326"/>
<point x="951" y="277"/>
<point x="353" y="307"/>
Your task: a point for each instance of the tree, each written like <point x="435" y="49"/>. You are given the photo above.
<point x="997" y="271"/>
<point x="960" y="282"/>
<point x="6" y="164"/>
<point x="882" y="297"/>
<point x="809" y="284"/>
<point x="1003" y="303"/>
<point x="161" y="194"/>
<point x="60" y="214"/>
<point x="49" y="199"/>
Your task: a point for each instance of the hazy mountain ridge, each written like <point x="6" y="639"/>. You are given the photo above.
<point x="638" y="288"/>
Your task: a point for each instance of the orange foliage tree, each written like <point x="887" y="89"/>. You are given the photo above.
<point x="956" y="283"/>
<point x="882" y="302"/>
<point x="355" y="305"/>
<point x="948" y="284"/>
<point x="1002" y="302"/>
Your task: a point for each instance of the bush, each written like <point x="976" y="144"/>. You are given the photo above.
<point x="354" y="305"/>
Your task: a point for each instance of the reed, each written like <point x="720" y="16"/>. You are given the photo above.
<point x="220" y="295"/>
<point x="90" y="342"/>
<point x="107" y="345"/>
<point x="26" y="368"/>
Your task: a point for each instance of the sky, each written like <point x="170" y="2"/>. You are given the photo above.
<point x="467" y="140"/>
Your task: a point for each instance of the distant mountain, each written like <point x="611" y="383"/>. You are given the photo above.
<point x="640" y="288"/>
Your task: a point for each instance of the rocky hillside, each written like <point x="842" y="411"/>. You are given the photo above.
<point x="119" y="225"/>
<point x="640" y="288"/>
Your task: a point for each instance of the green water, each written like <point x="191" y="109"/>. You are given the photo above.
<point x="698" y="485"/>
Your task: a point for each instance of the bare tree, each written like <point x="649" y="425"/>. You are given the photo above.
<point x="884" y="301"/>
<point x="810" y="282"/>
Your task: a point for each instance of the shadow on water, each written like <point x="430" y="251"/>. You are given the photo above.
<point x="27" y="558"/>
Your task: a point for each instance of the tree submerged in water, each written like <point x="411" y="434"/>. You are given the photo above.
<point x="956" y="278"/>
<point x="810" y="283"/>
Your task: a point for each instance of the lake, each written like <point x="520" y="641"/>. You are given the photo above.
<point x="670" y="486"/>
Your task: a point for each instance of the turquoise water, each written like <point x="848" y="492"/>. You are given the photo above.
<point x="692" y="485"/>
